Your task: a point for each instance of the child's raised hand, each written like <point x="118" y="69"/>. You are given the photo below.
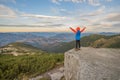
<point x="85" y="27"/>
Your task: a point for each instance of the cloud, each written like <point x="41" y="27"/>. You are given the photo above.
<point x="107" y="22"/>
<point x="91" y="2"/>
<point x="113" y="17"/>
<point x="35" y="25"/>
<point x="104" y="24"/>
<point x="98" y="12"/>
<point x="56" y="1"/>
<point x="55" y="25"/>
<point x="6" y="1"/>
<point x="47" y="24"/>
<point x="94" y="2"/>
<point x="42" y="16"/>
<point x="63" y="10"/>
<point x="108" y="0"/>
<point x="100" y="20"/>
<point x="6" y="12"/>
<point x="20" y="19"/>
<point x="117" y="25"/>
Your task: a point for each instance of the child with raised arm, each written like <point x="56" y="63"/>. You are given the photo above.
<point x="78" y="36"/>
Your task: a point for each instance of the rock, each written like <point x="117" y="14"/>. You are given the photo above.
<point x="92" y="64"/>
<point x="54" y="74"/>
<point x="57" y="74"/>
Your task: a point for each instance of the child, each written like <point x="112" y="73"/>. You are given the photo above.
<point x="77" y="37"/>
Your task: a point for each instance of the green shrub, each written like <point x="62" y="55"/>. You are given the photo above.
<point x="15" y="67"/>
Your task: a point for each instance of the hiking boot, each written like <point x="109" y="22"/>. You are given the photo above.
<point x="79" y="48"/>
<point x="76" y="49"/>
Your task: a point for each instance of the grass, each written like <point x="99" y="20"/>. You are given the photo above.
<point x="24" y="66"/>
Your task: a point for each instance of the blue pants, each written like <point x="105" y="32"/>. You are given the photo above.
<point x="78" y="45"/>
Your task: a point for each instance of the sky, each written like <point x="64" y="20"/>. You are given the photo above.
<point x="59" y="15"/>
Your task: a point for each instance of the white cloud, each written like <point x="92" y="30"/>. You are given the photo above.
<point x="6" y="1"/>
<point x="104" y="24"/>
<point x="117" y="25"/>
<point x="94" y="2"/>
<point x="91" y="2"/>
<point x="42" y="16"/>
<point x="108" y="0"/>
<point x="108" y="22"/>
<point x="113" y="17"/>
<point x="63" y="10"/>
<point x="6" y="12"/>
<point x="98" y="12"/>
<point x="34" y="25"/>
<point x="56" y="1"/>
<point x="12" y="17"/>
<point x="98" y="20"/>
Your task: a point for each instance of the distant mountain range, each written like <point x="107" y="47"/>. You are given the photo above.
<point x="49" y="37"/>
<point x="6" y="38"/>
<point x="59" y="42"/>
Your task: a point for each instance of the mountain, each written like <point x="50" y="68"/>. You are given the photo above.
<point x="45" y="34"/>
<point x="94" y="40"/>
<point x="113" y="42"/>
<point x="52" y="37"/>
<point x="18" y="48"/>
<point x="67" y="37"/>
<point x="108" y="33"/>
<point x="42" y="43"/>
<point x="88" y="40"/>
<point x="55" y="42"/>
<point x="6" y="38"/>
<point x="63" y="37"/>
<point x="47" y="37"/>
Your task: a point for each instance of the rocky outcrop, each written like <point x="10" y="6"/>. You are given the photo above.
<point x="92" y="64"/>
<point x="54" y="74"/>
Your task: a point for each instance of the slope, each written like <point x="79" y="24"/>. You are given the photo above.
<point x="19" y="48"/>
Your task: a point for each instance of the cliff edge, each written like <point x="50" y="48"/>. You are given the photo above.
<point x="92" y="64"/>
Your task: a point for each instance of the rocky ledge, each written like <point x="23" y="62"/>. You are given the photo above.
<point x="92" y="64"/>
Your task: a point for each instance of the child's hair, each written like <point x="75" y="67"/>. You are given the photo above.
<point x="78" y="28"/>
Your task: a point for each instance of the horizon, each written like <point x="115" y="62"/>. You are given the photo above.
<point x="59" y="15"/>
<point x="67" y="32"/>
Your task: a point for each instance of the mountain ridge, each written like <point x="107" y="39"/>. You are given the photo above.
<point x="18" y="48"/>
<point x="55" y="45"/>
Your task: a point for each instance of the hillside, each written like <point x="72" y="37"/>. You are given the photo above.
<point x="95" y="40"/>
<point x="113" y="42"/>
<point x="18" y="48"/>
<point x="99" y="41"/>
<point x="27" y="61"/>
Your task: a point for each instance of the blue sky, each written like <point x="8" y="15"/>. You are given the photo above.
<point x="59" y="15"/>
